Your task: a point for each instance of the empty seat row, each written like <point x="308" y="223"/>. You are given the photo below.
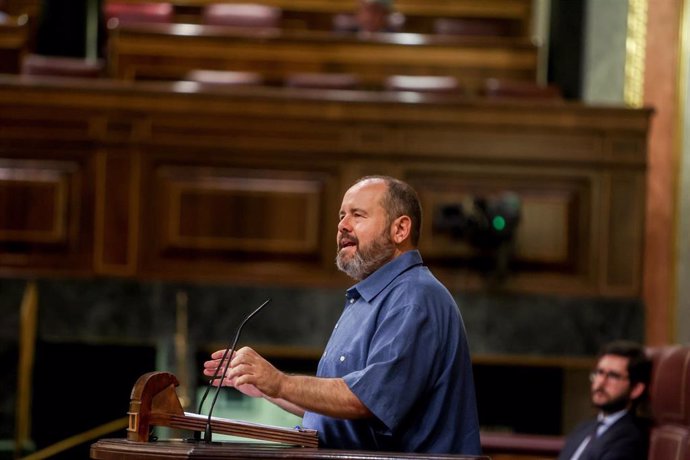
<point x="259" y="15"/>
<point x="131" y="13"/>
<point x="419" y="83"/>
<point x="226" y="14"/>
<point x="74" y="67"/>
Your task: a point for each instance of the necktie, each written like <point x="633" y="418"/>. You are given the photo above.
<point x="595" y="431"/>
<point x="587" y="441"/>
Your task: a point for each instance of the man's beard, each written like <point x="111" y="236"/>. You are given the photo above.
<point x="366" y="259"/>
<point x="615" y="405"/>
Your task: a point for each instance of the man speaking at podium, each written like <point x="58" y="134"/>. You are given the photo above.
<point x="396" y="373"/>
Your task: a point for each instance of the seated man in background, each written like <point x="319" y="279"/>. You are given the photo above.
<point x="620" y="383"/>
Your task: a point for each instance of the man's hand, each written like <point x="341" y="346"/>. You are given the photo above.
<point x="248" y="368"/>
<point x="249" y="373"/>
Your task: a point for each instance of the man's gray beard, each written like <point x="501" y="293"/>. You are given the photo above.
<point x="367" y="260"/>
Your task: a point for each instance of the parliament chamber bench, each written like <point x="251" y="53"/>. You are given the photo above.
<point x="515" y="16"/>
<point x="169" y="181"/>
<point x="14" y="40"/>
<point x="170" y="51"/>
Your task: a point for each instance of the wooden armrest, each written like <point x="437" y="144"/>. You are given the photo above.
<point x="494" y="442"/>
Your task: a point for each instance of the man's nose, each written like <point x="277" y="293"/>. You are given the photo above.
<point x="344" y="225"/>
<point x="598" y="385"/>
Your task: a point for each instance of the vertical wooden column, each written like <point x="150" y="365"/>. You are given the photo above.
<point x="116" y="213"/>
<point x="661" y="92"/>
<point x="27" y="349"/>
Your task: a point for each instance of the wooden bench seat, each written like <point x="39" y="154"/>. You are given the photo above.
<point x="164" y="51"/>
<point x="420" y="14"/>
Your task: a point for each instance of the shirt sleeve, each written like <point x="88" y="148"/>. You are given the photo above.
<point x="399" y="365"/>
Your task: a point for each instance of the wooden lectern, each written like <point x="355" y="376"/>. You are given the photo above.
<point x="154" y="402"/>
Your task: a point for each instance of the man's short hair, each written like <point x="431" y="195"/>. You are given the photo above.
<point x="639" y="364"/>
<point x="400" y="199"/>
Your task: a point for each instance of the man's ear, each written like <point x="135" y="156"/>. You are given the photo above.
<point x="637" y="390"/>
<point x="400" y="229"/>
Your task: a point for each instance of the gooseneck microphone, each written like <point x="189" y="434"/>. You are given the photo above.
<point x="225" y="365"/>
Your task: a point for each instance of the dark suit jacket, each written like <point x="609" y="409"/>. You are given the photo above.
<point x="627" y="439"/>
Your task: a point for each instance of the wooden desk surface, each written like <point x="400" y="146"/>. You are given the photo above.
<point x="121" y="449"/>
<point x="168" y="51"/>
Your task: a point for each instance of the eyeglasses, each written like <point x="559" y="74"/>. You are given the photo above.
<point x="607" y="375"/>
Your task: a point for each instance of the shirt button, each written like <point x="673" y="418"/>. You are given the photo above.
<point x="352" y="300"/>
<point x="336" y="326"/>
<point x="342" y="358"/>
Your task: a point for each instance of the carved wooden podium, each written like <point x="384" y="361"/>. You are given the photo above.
<point x="154" y="402"/>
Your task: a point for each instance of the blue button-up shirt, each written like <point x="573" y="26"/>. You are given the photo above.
<point x="400" y="346"/>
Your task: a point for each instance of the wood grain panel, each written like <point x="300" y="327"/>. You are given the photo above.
<point x="24" y="124"/>
<point x="257" y="132"/>
<point x="545" y="231"/>
<point x="508" y="143"/>
<point x="46" y="213"/>
<point x="625" y="237"/>
<point x="117" y="210"/>
<point x="33" y="202"/>
<point x="225" y="210"/>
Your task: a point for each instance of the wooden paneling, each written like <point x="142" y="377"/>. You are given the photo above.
<point x="545" y="233"/>
<point x="14" y="36"/>
<point x="33" y="200"/>
<point x="624" y="267"/>
<point x="252" y="210"/>
<point x="116" y="215"/>
<point x="244" y="184"/>
<point x="44" y="200"/>
<point x="162" y="51"/>
<point x="555" y="232"/>
<point x="554" y="220"/>
<point x="212" y="211"/>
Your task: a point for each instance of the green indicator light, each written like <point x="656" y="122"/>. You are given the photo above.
<point x="499" y="223"/>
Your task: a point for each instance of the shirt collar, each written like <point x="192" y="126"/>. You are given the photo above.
<point x="608" y="420"/>
<point x="372" y="285"/>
